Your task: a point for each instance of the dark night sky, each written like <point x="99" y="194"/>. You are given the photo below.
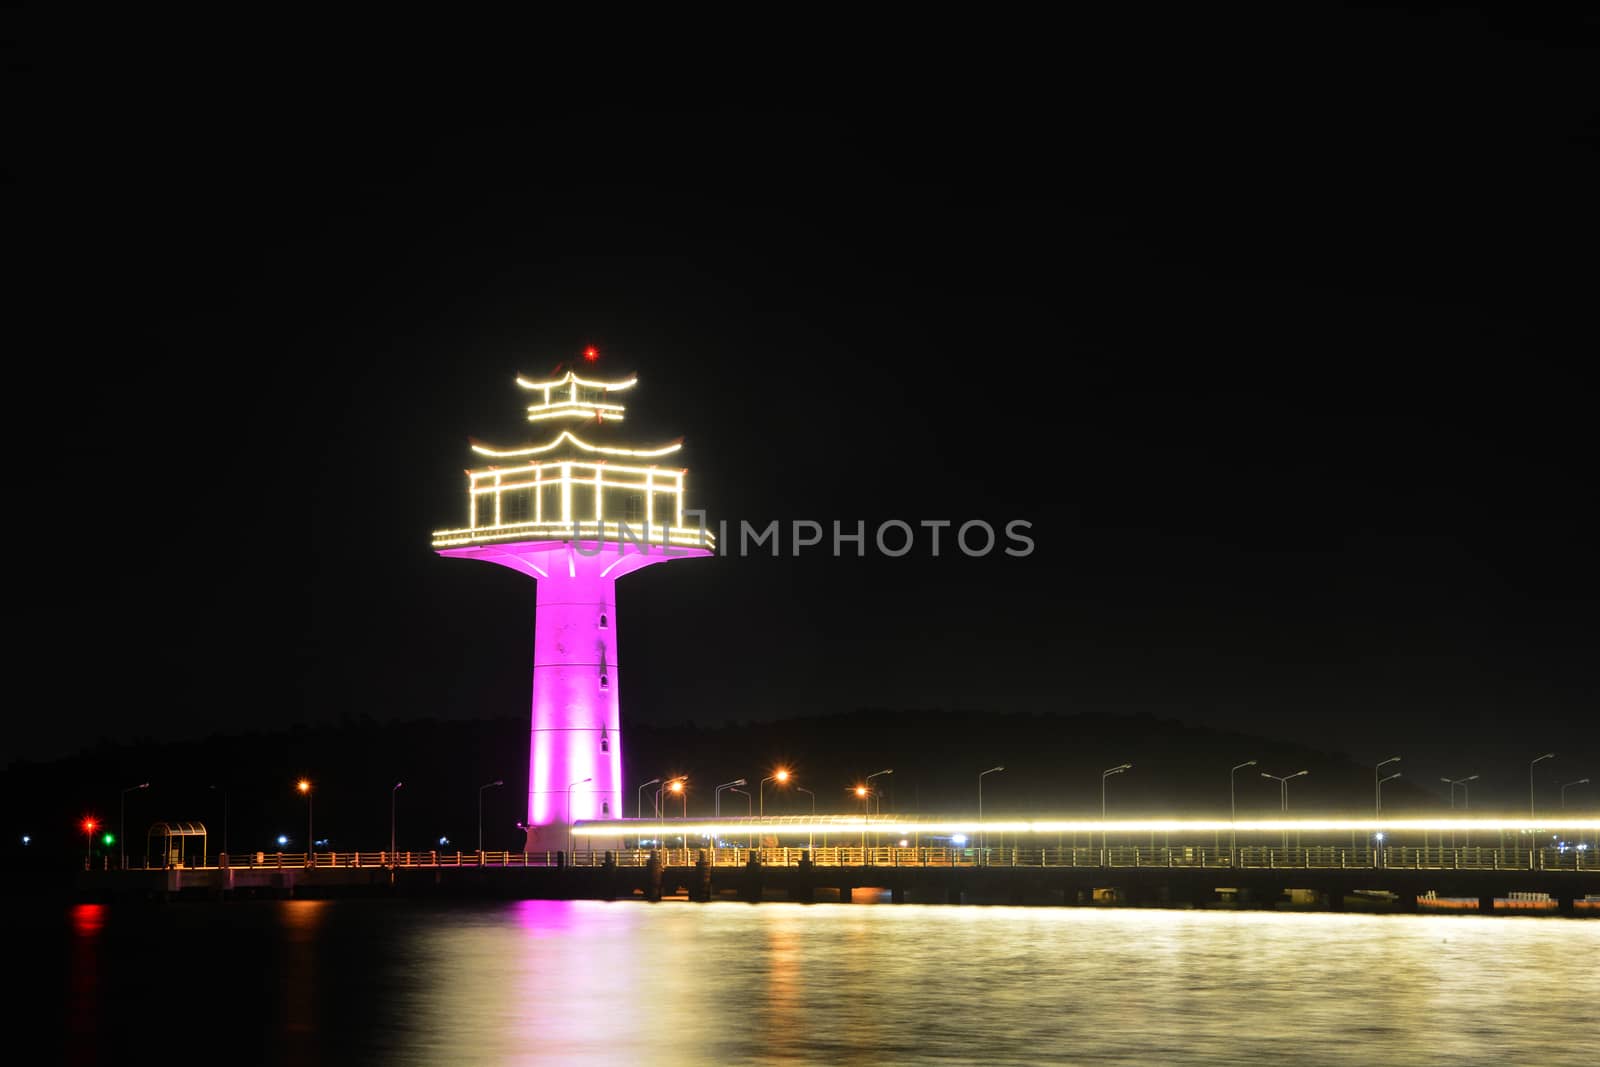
<point x="1286" y="368"/>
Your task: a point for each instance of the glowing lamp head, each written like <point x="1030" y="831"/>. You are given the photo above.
<point x="1380" y="835"/>
<point x="781" y="776"/>
<point x="283" y="839"/>
<point x="89" y="825"/>
<point x="959" y="839"/>
<point x="861" y="790"/>
<point x="591" y="353"/>
<point x="303" y="785"/>
<point x="108" y="839"/>
<point x="676" y="785"/>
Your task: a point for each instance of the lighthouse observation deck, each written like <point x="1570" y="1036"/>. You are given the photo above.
<point x="574" y="487"/>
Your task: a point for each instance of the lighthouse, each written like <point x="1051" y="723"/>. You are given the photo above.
<point x="575" y="512"/>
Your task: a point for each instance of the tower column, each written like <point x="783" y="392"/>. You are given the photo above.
<point x="575" y="729"/>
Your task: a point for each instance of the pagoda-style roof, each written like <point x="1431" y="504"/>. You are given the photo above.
<point x="571" y="378"/>
<point x="572" y="397"/>
<point x="566" y="437"/>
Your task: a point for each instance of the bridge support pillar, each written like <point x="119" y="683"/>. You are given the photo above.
<point x="802" y="884"/>
<point x="652" y="878"/>
<point x="750" y="883"/>
<point x="700" y="883"/>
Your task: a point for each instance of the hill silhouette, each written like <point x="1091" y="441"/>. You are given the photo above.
<point x="1053" y="765"/>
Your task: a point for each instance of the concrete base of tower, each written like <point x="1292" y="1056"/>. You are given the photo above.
<point x="555" y="837"/>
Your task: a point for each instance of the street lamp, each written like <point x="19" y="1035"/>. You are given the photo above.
<point x="879" y="795"/>
<point x="991" y="770"/>
<point x="491" y="785"/>
<point x="569" y="817"/>
<point x="1233" y="810"/>
<point x="638" y="811"/>
<point x="673" y="785"/>
<point x="1283" y="802"/>
<point x="1547" y="755"/>
<point x="781" y="775"/>
<point x="1118" y="769"/>
<point x="304" y="785"/>
<point x="720" y="788"/>
<point x="1377" y="787"/>
<point x="811" y="837"/>
<point x="392" y="793"/>
<point x="1388" y="778"/>
<point x="122" y="823"/>
<point x="1466" y="803"/>
<point x="88" y="841"/>
<point x="1580" y="781"/>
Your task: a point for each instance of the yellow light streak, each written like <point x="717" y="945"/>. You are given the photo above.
<point x="566" y="437"/>
<point x="912" y="824"/>
<point x="571" y="378"/>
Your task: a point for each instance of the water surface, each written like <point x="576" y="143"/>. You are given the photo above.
<point x="722" y="983"/>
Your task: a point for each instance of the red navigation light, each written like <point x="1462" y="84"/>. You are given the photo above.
<point x="89" y="825"/>
<point x="591" y="353"/>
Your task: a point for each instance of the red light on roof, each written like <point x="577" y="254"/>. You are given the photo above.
<point x="591" y="353"/>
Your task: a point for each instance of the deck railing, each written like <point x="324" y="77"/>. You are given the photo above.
<point x="1243" y="858"/>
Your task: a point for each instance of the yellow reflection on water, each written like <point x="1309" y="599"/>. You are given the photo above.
<point x="552" y="981"/>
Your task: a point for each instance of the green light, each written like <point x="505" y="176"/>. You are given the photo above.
<point x="109" y="839"/>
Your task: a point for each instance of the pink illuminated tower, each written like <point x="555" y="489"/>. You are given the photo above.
<point x="575" y="513"/>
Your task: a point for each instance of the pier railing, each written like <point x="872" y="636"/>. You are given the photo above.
<point x="1251" y="858"/>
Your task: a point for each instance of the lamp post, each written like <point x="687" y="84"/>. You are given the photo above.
<point x="569" y="818"/>
<point x="672" y="785"/>
<point x="1107" y="773"/>
<point x="304" y="785"/>
<point x="877" y="798"/>
<point x="866" y="811"/>
<point x="1462" y="782"/>
<point x="1547" y="755"/>
<point x="720" y="788"/>
<point x="638" y="811"/>
<point x="879" y="795"/>
<point x="985" y="838"/>
<point x="223" y="790"/>
<point x="1381" y="781"/>
<point x="1377" y="787"/>
<point x="749" y="809"/>
<point x="1466" y="801"/>
<point x="1233" y="813"/>
<point x="811" y="836"/>
<point x="492" y="785"/>
<point x="781" y="775"/>
<point x="392" y="793"/>
<point x="88" y="841"/>
<point x="1580" y="781"/>
<point x="122" y="824"/>
<point x="1283" y="794"/>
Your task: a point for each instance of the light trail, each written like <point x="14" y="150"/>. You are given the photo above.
<point x="889" y="824"/>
